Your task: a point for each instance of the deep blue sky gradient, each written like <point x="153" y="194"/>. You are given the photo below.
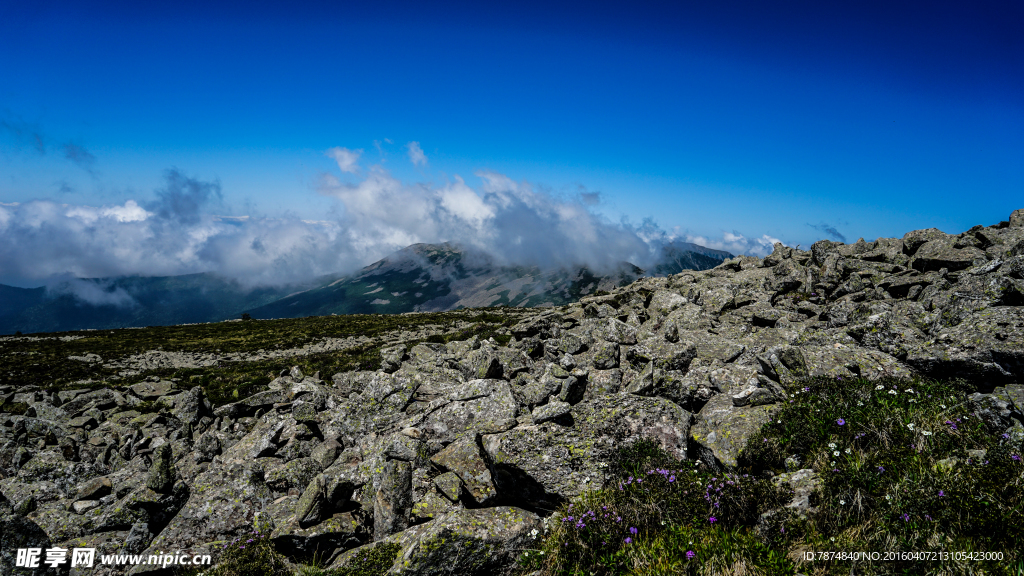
<point x="875" y="118"/>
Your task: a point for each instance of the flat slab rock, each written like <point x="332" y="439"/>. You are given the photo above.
<point x="722" y="429"/>
<point x="469" y="542"/>
<point x="152" y="390"/>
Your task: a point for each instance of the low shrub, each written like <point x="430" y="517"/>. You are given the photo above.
<point x="905" y="465"/>
<point x="251" y="556"/>
<point x="653" y="502"/>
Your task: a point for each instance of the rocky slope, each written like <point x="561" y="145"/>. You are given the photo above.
<point x="457" y="453"/>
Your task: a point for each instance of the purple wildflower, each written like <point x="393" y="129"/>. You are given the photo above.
<point x="905" y="516"/>
<point x="628" y="540"/>
<point x="942" y="493"/>
<point x="633" y="530"/>
<point x="1016" y="457"/>
<point x="712" y="520"/>
<point x="690" y="554"/>
<point x="841" y="422"/>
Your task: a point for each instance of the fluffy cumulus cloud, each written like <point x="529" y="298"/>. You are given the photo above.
<point x="509" y="220"/>
<point x="179" y="231"/>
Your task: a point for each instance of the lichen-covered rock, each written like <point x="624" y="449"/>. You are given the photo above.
<point x="617" y="331"/>
<point x="391" y="358"/>
<point x="191" y="406"/>
<point x="206" y="447"/>
<point x="293" y="475"/>
<point x="485" y="406"/>
<point x="544" y="464"/>
<point x="392" y="502"/>
<point x="93" y="489"/>
<point x="805" y="484"/>
<point x="464" y="459"/>
<point x="471" y="542"/>
<point x="987" y="346"/>
<point x="312" y="505"/>
<point x="605" y="355"/>
<point x="19" y="532"/>
<point x="722" y="430"/>
<point x="550" y="411"/>
<point x="430" y="506"/>
<point x="221" y="505"/>
<point x="450" y="485"/>
<point x="162" y="473"/>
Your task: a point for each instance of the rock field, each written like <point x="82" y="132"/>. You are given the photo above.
<point x="456" y="452"/>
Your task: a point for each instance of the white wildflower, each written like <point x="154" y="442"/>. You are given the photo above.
<point x="879" y="387"/>
<point x="893" y="392"/>
<point x="832" y="445"/>
<point x="926" y="433"/>
<point x="842" y="502"/>
<point x="836" y="453"/>
<point x="847" y="450"/>
<point x="943" y="406"/>
<point x="911" y="425"/>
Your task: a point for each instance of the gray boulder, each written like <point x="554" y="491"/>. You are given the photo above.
<point x="542" y="465"/>
<point x="471" y="542"/>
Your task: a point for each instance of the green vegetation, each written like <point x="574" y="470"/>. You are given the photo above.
<point x="905" y="466"/>
<point x="252" y="556"/>
<point x="46" y="362"/>
<point x="15" y="408"/>
<point x="656" y="510"/>
<point x="370" y="561"/>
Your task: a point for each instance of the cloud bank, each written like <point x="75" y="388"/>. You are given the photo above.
<point x="178" y="231"/>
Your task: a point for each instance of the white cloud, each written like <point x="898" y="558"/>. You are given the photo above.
<point x="416" y="155"/>
<point x="735" y="243"/>
<point x="97" y="293"/>
<point x="130" y="212"/>
<point x="348" y="160"/>
<point x="463" y="203"/>
<point x="42" y="241"/>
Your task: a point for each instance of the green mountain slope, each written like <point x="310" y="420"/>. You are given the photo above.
<point x="435" y="277"/>
<point x="419" y="278"/>
<point x="141" y="302"/>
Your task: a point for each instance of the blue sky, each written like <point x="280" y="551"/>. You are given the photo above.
<point x="796" y="121"/>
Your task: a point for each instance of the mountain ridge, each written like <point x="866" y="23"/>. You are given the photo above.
<point x="420" y="277"/>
